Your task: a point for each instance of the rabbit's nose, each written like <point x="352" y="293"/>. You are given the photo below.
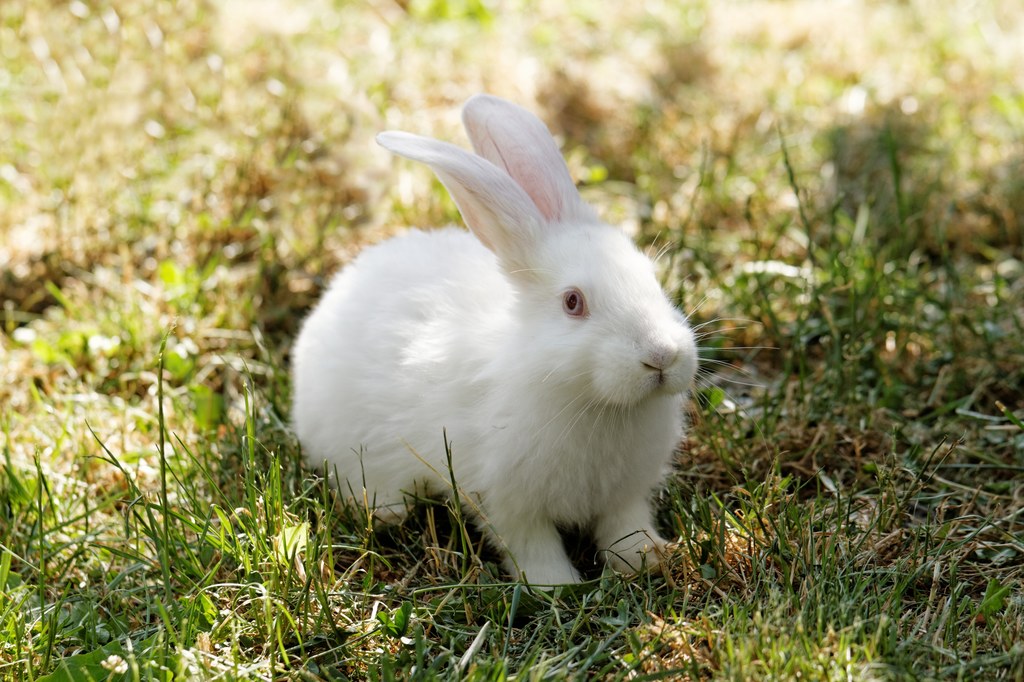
<point x="661" y="358"/>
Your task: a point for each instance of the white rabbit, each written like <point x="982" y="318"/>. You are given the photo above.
<point x="540" y="342"/>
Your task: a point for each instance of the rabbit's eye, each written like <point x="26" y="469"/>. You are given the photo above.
<point x="574" y="304"/>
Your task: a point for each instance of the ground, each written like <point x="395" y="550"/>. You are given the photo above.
<point x="836" y="190"/>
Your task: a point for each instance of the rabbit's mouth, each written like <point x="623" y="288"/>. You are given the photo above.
<point x="667" y="373"/>
<point x="629" y="384"/>
<point x="651" y="383"/>
<point x="671" y="380"/>
<point x="658" y="374"/>
<point x="665" y="383"/>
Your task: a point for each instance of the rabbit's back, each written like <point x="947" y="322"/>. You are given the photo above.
<point x="390" y="354"/>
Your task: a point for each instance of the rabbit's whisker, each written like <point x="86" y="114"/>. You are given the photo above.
<point x="660" y="253"/>
<point x="711" y="333"/>
<point x="713" y="320"/>
<point x="704" y="381"/>
<point x="696" y="309"/>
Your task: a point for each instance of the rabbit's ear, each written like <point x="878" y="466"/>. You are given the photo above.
<point x="495" y="208"/>
<point x="512" y="138"/>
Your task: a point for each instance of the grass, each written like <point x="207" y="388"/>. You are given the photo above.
<point x="838" y="190"/>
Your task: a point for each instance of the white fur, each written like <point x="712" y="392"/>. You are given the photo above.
<point x="552" y="420"/>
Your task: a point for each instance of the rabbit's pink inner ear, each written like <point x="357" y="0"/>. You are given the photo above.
<point x="494" y="208"/>
<point x="514" y="139"/>
<point x="475" y="218"/>
<point x="520" y="164"/>
<point x="549" y="201"/>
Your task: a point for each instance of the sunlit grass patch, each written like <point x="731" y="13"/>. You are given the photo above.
<point x="834" y="189"/>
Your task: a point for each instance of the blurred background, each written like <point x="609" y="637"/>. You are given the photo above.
<point x="211" y="163"/>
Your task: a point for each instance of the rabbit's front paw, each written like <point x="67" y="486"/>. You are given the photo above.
<point x="636" y="551"/>
<point x="555" y="572"/>
<point x="389" y="515"/>
<point x="535" y="553"/>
